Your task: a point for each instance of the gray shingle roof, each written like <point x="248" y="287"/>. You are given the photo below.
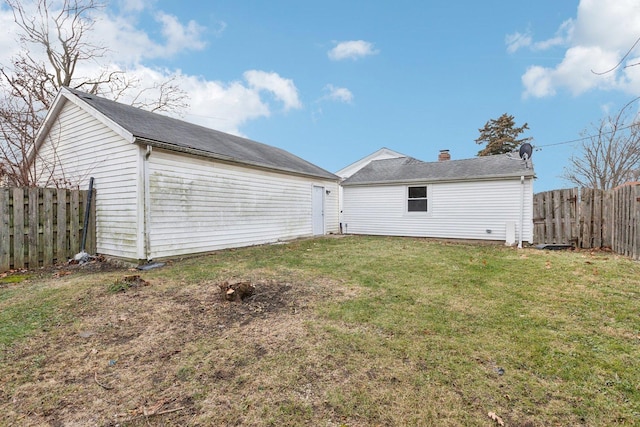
<point x="408" y="169"/>
<point x="183" y="136"/>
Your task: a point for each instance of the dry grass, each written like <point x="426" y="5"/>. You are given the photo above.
<point x="340" y="332"/>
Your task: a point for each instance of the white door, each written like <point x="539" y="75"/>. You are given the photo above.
<point x="318" y="210"/>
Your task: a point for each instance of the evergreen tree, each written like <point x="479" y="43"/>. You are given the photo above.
<point x="501" y="136"/>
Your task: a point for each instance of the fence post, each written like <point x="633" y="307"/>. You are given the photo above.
<point x="5" y="238"/>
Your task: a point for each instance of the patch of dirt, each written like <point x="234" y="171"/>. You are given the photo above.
<point x="94" y="265"/>
<point x="140" y="355"/>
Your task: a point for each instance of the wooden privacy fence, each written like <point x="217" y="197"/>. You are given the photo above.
<point x="625" y="217"/>
<point x="555" y="216"/>
<point x="589" y="218"/>
<point x="42" y="226"/>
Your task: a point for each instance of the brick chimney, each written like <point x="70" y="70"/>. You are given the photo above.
<point x="444" y="156"/>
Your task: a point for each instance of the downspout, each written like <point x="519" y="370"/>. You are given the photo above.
<point x="87" y="214"/>
<point x="521" y="231"/>
<point x="147" y="205"/>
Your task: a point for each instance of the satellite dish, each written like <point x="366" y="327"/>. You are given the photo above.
<point x="525" y="151"/>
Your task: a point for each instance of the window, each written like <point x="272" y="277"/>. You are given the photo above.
<point x="417" y="200"/>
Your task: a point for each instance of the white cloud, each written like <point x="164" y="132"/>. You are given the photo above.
<point x="340" y="94"/>
<point x="537" y="81"/>
<point x="225" y="106"/>
<point x="562" y="37"/>
<point x="574" y="73"/>
<point x="517" y="40"/>
<point x="8" y="45"/>
<point x="354" y="49"/>
<point x="596" y="40"/>
<point x="129" y="44"/>
<point x="222" y="106"/>
<point x="134" y="5"/>
<point x="178" y="36"/>
<point x="283" y="89"/>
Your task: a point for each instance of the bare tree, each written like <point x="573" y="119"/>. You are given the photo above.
<point x="54" y="41"/>
<point x="610" y="156"/>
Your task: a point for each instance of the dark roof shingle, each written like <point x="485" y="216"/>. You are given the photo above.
<point x="181" y="135"/>
<point x="408" y="169"/>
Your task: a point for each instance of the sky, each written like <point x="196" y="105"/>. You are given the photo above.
<point x="333" y="81"/>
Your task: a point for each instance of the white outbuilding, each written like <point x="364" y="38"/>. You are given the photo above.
<point x="165" y="187"/>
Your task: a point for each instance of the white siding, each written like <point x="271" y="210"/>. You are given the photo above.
<point x="462" y="210"/>
<point x="381" y="154"/>
<point x="198" y="205"/>
<point x="79" y="147"/>
<point x="331" y="208"/>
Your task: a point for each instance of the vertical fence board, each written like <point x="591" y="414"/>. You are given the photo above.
<point x="33" y="227"/>
<point x="548" y="223"/>
<point x="628" y="221"/>
<point x="18" y="228"/>
<point x="635" y="200"/>
<point x="538" y="217"/>
<point x="575" y="209"/>
<point x="586" y="204"/>
<point x="565" y="216"/>
<point x="619" y="220"/>
<point x="47" y="229"/>
<point x="607" y="219"/>
<point x="61" y="226"/>
<point x="624" y="221"/>
<point x="5" y="236"/>
<point x="596" y="220"/>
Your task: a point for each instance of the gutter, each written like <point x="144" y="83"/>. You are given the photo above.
<point x="436" y="180"/>
<point x="229" y="159"/>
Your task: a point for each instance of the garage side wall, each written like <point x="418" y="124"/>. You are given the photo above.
<point x="198" y="205"/>
<point x="78" y="147"/>
<point x="463" y="210"/>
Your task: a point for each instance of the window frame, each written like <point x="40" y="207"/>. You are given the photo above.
<point x="426" y="198"/>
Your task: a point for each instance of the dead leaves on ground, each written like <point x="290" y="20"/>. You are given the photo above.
<point x="127" y="282"/>
<point x="146" y="412"/>
<point x="493" y="416"/>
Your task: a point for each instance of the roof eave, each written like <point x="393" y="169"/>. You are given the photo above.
<point x="228" y="159"/>
<point x="441" y="180"/>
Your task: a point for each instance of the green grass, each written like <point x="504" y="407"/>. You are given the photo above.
<point x="404" y="332"/>
<point x="39" y="310"/>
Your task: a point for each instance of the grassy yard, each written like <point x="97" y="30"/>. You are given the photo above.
<point x="352" y="331"/>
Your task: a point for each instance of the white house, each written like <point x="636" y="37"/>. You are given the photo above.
<point x="483" y="198"/>
<point x="166" y="187"/>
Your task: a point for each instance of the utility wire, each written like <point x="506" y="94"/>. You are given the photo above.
<point x="584" y="138"/>
<point x="621" y="61"/>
